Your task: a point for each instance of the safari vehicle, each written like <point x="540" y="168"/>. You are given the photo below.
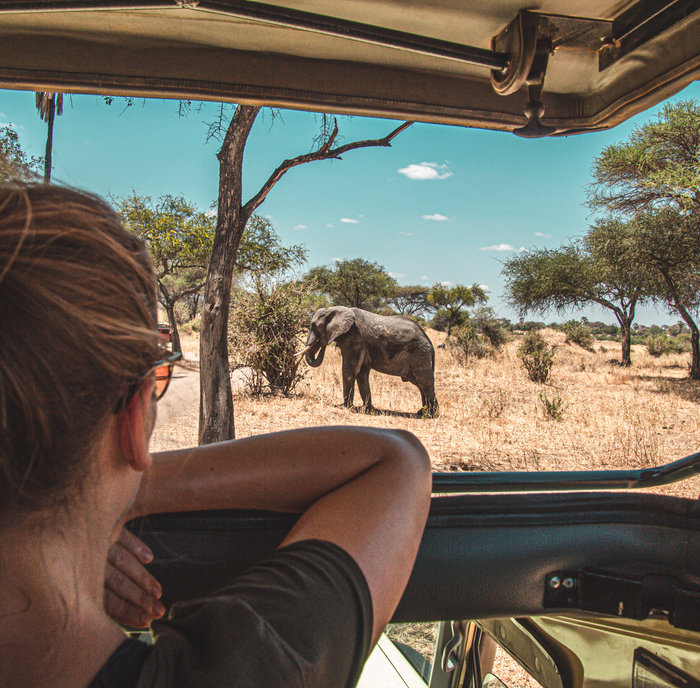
<point x="586" y="580"/>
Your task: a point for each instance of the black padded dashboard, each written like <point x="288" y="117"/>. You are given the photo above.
<point x="482" y="555"/>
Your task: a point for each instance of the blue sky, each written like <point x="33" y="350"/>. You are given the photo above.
<point x="443" y="204"/>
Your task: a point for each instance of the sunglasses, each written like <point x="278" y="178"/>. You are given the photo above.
<point x="163" y="373"/>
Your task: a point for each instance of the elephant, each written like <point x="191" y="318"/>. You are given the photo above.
<point x="393" y="345"/>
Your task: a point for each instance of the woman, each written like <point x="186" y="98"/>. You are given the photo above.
<point x="78" y="396"/>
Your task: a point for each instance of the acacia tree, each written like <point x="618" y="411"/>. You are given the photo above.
<point x="410" y="300"/>
<point x="656" y="167"/>
<point x="179" y="238"/>
<point x="600" y="269"/>
<point x="455" y="300"/>
<point x="14" y="162"/>
<point x="652" y="180"/>
<point x="216" y="419"/>
<point x="668" y="242"/>
<point x="356" y="283"/>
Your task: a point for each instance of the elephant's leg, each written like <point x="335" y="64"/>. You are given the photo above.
<point x="429" y="409"/>
<point x="363" y="385"/>
<point x="349" y="374"/>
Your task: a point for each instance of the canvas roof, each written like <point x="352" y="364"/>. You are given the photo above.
<point x="402" y="59"/>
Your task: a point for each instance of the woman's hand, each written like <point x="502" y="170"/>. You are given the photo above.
<point x="130" y="592"/>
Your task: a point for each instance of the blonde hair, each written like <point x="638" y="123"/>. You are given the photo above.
<point x="77" y="327"/>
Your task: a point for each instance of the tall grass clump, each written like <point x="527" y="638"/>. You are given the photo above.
<point x="537" y="356"/>
<point x="553" y="408"/>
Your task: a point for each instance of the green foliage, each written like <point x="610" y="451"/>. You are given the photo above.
<point x="14" y="162"/>
<point x="553" y="408"/>
<point x="191" y="326"/>
<point x="356" y="283"/>
<point x="490" y="327"/>
<point x="537" y="356"/>
<point x="657" y="344"/>
<point x="657" y="166"/>
<point x="528" y="325"/>
<point x="598" y="269"/>
<point x="660" y="344"/>
<point x="441" y="319"/>
<point x="178" y="236"/>
<point x="667" y="242"/>
<point x="652" y="181"/>
<point x="466" y="343"/>
<point x="578" y="333"/>
<point x="265" y="329"/>
<point x="453" y="300"/>
<point x="261" y="250"/>
<point x="410" y="300"/>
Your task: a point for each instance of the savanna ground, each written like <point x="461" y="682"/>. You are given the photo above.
<point x="492" y="418"/>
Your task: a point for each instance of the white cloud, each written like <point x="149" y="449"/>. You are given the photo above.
<point x="211" y="212"/>
<point x="406" y="233"/>
<point x="485" y="287"/>
<point x="425" y="170"/>
<point x="435" y="216"/>
<point x="425" y="278"/>
<point x="349" y="220"/>
<point x="336" y="260"/>
<point x="398" y="275"/>
<point x="330" y="225"/>
<point x="498" y="247"/>
<point x="300" y="227"/>
<point x="543" y="235"/>
<point x="522" y="249"/>
<point x="447" y="283"/>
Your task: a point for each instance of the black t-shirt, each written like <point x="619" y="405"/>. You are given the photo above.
<point x="301" y="618"/>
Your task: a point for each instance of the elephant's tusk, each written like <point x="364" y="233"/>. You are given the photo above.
<point x="301" y="353"/>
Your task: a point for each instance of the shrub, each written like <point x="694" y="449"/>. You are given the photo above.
<point x="191" y="326"/>
<point x="490" y="327"/>
<point x="537" y="356"/>
<point x="466" y="343"/>
<point x="554" y="407"/>
<point x="657" y="345"/>
<point x="264" y="333"/>
<point x="578" y="333"/>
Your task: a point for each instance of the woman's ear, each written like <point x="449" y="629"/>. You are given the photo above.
<point x="135" y="424"/>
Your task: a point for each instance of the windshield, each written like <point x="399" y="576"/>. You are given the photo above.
<point x="440" y="209"/>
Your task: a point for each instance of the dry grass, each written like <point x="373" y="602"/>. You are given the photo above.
<point x="491" y="418"/>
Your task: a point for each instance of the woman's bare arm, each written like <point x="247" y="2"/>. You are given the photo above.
<point x="364" y="489"/>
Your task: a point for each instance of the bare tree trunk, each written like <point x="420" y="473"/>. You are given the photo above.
<point x="694" y="333"/>
<point x="168" y="303"/>
<point x="216" y="421"/>
<point x="626" y="344"/>
<point x="626" y="332"/>
<point x="174" y="333"/>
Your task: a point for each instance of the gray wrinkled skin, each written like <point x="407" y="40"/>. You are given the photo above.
<point x="393" y="345"/>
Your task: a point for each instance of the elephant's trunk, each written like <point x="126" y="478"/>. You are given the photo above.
<point x="315" y="362"/>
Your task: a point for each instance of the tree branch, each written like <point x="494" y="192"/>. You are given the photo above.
<point x="324" y="152"/>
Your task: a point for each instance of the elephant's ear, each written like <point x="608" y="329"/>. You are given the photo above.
<point x="339" y="323"/>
